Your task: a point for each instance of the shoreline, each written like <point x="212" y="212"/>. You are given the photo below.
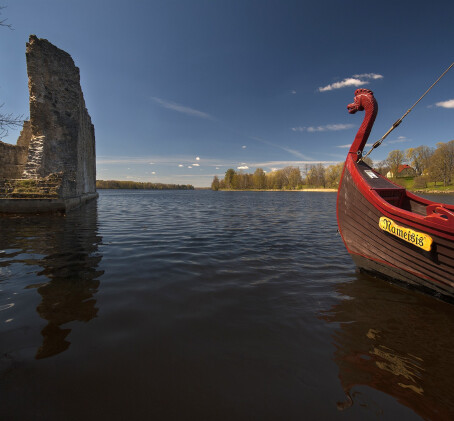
<point x="282" y="190"/>
<point x="432" y="191"/>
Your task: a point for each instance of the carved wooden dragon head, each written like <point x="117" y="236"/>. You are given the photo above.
<point x="364" y="98"/>
<point x="364" y="101"/>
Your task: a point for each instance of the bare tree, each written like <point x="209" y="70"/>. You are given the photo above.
<point x="3" y="21"/>
<point x="8" y="121"/>
<point x="394" y="160"/>
<point x="419" y="158"/>
<point x="442" y="163"/>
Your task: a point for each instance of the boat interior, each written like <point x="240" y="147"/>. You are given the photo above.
<point x="399" y="197"/>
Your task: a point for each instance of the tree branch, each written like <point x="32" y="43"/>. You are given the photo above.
<point x="3" y="22"/>
<point x="8" y="121"/>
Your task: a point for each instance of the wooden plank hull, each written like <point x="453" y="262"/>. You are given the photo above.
<point x="383" y="254"/>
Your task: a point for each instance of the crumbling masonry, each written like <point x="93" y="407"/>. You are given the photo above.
<point x="52" y="167"/>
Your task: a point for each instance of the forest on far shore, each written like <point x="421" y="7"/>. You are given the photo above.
<point x="135" y="185"/>
<point x="415" y="168"/>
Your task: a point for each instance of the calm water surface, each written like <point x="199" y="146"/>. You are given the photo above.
<point x="210" y="306"/>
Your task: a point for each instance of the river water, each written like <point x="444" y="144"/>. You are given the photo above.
<point x="200" y="305"/>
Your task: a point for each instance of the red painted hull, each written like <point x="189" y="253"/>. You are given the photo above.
<point x="363" y="197"/>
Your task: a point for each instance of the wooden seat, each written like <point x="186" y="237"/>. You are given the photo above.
<point x="394" y="196"/>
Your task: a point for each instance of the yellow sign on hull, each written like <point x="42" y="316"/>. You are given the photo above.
<point x="416" y="238"/>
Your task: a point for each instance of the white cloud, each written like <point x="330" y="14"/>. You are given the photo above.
<point x="344" y="146"/>
<point x="189" y="166"/>
<point x="151" y="163"/>
<point x="446" y="104"/>
<point x="369" y="76"/>
<point x="346" y="82"/>
<point x="196" y="165"/>
<point x="293" y="92"/>
<point x="153" y="172"/>
<point x="327" y="127"/>
<point x="197" y="158"/>
<point x="181" y="108"/>
<point x="180" y="165"/>
<point x="244" y="146"/>
<point x="243" y="167"/>
<point x="355" y="80"/>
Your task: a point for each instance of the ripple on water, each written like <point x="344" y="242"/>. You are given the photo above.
<point x="205" y="305"/>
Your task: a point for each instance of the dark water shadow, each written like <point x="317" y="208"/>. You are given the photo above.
<point x="66" y="250"/>
<point x="396" y="341"/>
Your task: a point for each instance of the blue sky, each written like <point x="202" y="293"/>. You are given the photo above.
<point x="182" y="90"/>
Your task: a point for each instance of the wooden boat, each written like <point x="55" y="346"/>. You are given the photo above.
<point x="388" y="231"/>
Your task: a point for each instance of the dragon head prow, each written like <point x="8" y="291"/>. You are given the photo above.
<point x="362" y="97"/>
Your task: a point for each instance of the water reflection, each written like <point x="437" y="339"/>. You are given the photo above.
<point x="397" y="341"/>
<point x="64" y="250"/>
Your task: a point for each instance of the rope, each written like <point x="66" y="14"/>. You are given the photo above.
<point x="380" y="141"/>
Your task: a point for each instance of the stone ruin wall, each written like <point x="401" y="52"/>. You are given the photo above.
<point x="63" y="136"/>
<point x="60" y="137"/>
<point x="14" y="157"/>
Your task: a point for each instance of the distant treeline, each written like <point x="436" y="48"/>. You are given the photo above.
<point x="422" y="164"/>
<point x="288" y="178"/>
<point x="135" y="185"/>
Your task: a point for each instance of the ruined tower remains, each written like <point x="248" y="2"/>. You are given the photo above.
<point x="53" y="166"/>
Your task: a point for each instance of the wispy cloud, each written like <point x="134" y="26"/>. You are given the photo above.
<point x="291" y="151"/>
<point x="446" y="104"/>
<point x="182" y="108"/>
<point x="179" y="163"/>
<point x="327" y="127"/>
<point x="180" y="160"/>
<point x="281" y="164"/>
<point x="344" y="146"/>
<point x="295" y="153"/>
<point x="400" y="139"/>
<point x="355" y="80"/>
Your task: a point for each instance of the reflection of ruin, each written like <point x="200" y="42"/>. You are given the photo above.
<point x="69" y="247"/>
<point x="52" y="167"/>
<point x="398" y="342"/>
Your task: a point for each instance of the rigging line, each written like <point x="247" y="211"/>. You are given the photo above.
<point x="379" y="142"/>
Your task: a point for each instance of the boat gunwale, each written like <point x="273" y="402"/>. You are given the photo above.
<point x="442" y="229"/>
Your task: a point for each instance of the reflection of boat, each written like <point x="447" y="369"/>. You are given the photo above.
<point x="396" y="342"/>
<point x="387" y="230"/>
